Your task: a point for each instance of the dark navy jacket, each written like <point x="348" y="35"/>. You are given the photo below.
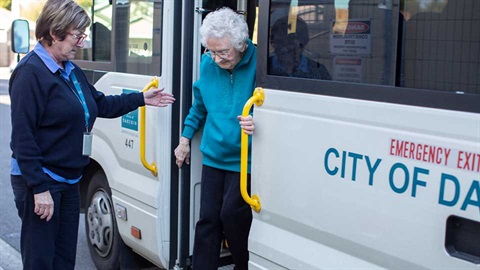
<point x="48" y="121"/>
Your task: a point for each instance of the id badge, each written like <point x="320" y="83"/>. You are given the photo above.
<point x="87" y="143"/>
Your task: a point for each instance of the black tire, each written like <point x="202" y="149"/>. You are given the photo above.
<point x="103" y="240"/>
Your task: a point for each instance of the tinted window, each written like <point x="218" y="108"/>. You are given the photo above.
<point x="422" y="44"/>
<point x="442" y="46"/>
<point x="97" y="46"/>
<point x="137" y="41"/>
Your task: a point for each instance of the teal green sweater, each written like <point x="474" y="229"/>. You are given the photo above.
<point x="219" y="97"/>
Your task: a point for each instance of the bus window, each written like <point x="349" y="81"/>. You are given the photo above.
<point x="416" y="44"/>
<point x="98" y="44"/>
<point x="138" y="43"/>
<point x="289" y="37"/>
<point x="342" y="40"/>
<point x="442" y="46"/>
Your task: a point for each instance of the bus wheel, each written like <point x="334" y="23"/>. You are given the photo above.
<point x="104" y="241"/>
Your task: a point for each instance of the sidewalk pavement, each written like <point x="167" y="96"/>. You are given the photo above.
<point x="10" y="258"/>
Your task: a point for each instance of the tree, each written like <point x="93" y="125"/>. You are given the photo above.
<point x="86" y="4"/>
<point x="31" y="10"/>
<point x="7" y="4"/>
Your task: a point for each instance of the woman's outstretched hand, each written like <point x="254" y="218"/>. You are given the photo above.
<point x="156" y="97"/>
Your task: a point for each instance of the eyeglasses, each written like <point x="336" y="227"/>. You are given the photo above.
<point x="222" y="54"/>
<point x="79" y="37"/>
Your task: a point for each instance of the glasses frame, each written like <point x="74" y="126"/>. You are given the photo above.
<point x="79" y="37"/>
<point x="225" y="54"/>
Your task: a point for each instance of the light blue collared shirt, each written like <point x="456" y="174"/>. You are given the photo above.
<point x="65" y="73"/>
<point x="51" y="64"/>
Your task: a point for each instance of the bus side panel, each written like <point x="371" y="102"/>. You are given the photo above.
<point x="116" y="147"/>
<point x="357" y="184"/>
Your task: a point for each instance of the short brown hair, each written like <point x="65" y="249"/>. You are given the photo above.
<point x="60" y="17"/>
<point x="280" y="32"/>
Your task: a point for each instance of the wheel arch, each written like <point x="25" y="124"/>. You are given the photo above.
<point x="88" y="173"/>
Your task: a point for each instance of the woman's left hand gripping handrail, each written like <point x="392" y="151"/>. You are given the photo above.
<point x="254" y="202"/>
<point x="153" y="166"/>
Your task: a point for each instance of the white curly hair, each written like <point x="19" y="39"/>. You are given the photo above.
<point x="222" y="23"/>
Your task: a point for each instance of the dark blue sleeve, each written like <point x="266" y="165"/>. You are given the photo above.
<point x="28" y="102"/>
<point x="117" y="105"/>
<point x="113" y="106"/>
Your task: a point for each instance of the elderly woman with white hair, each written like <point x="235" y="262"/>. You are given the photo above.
<point x="227" y="81"/>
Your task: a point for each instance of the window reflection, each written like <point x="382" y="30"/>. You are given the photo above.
<point x="428" y="44"/>
<point x="341" y="16"/>
<point x="442" y="45"/>
<point x="289" y="36"/>
<point x="137" y="41"/>
<point x="97" y="46"/>
<point x="141" y="31"/>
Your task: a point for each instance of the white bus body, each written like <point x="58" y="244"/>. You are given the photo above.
<point x="376" y="167"/>
<point x="334" y="193"/>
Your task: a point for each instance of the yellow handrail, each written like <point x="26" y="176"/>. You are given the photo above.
<point x="151" y="167"/>
<point x="254" y="202"/>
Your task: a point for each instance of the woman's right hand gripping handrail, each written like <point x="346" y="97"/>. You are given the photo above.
<point x="257" y="99"/>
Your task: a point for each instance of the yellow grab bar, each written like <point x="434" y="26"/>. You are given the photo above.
<point x="254" y="202"/>
<point x="151" y="167"/>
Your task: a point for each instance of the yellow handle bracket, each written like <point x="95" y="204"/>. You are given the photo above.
<point x="254" y="202"/>
<point x="153" y="166"/>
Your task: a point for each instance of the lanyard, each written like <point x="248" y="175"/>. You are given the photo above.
<point x="80" y="97"/>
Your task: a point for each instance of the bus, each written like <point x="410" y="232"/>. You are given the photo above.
<point x="366" y="152"/>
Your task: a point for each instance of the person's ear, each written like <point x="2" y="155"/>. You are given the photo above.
<point x="244" y="48"/>
<point x="54" y="37"/>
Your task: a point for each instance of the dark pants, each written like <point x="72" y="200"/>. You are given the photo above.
<point x="222" y="212"/>
<point x="53" y="244"/>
